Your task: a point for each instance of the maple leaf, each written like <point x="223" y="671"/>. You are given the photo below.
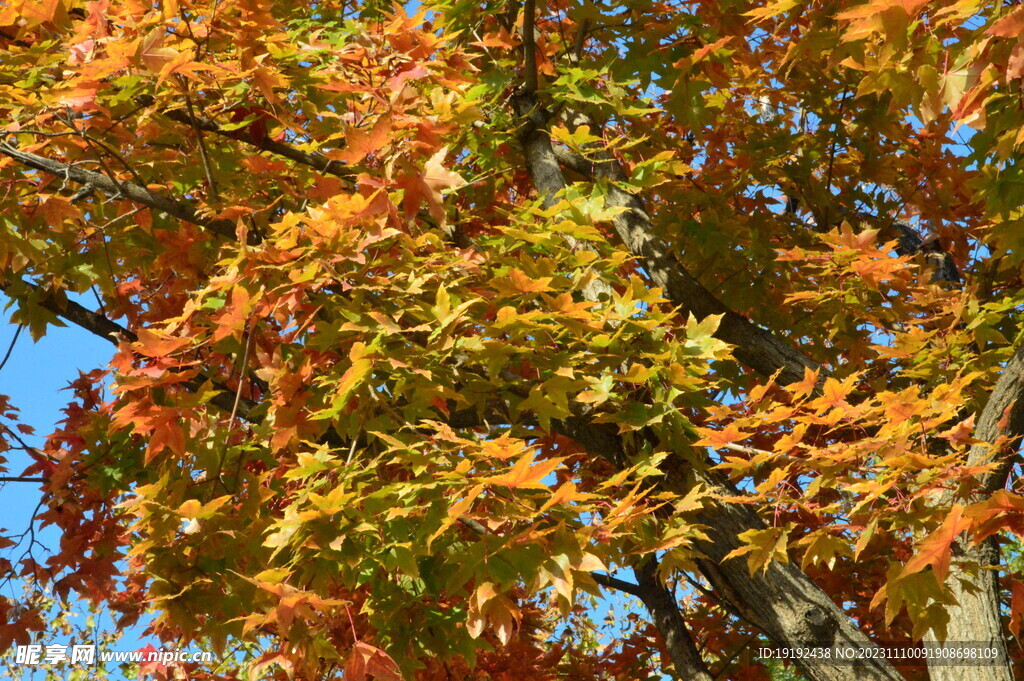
<point x="1003" y="511"/>
<point x="519" y="282"/>
<point x="489" y="607"/>
<point x="762" y="547"/>
<point x="361" y="142"/>
<point x="35" y="12"/>
<point x="269" y="659"/>
<point x="1009" y="26"/>
<point x="729" y="435"/>
<point x="428" y="186"/>
<point x="366" y="661"/>
<point x="936" y="549"/>
<point x="155" y="344"/>
<point x="153" y="53"/>
<point x="1016" y="606"/>
<point x="525" y="474"/>
<point x="152" y="665"/>
<point x="457" y="511"/>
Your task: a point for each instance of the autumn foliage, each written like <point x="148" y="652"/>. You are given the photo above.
<point x="435" y="327"/>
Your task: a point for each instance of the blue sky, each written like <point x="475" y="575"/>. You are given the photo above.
<point x="35" y="378"/>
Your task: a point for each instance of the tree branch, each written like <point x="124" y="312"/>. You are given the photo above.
<point x="542" y="165"/>
<point x="10" y="348"/>
<point x="781" y="601"/>
<point x="581" y="40"/>
<point x="1003" y="416"/>
<point x="312" y="159"/>
<point x="609" y="582"/>
<point x="114" y="333"/>
<point x="133" y="192"/>
<point x="758" y="348"/>
<point x="975" y="615"/>
<point x="663" y="607"/>
<point x="529" y="47"/>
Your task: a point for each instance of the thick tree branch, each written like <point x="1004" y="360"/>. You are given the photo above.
<point x="782" y="600"/>
<point x="544" y="169"/>
<point x="975" y="617"/>
<point x="127" y="190"/>
<point x="574" y="161"/>
<point x="541" y="162"/>
<point x="663" y="607"/>
<point x="529" y="46"/>
<point x="758" y="348"/>
<point x="1003" y="416"/>
<point x="973" y="578"/>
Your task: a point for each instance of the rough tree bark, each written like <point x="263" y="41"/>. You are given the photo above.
<point x="975" y="617"/>
<point x="662" y="605"/>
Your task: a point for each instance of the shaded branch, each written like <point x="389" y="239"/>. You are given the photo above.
<point x="756" y="347"/>
<point x="312" y="159"/>
<point x="581" y="39"/>
<point x="126" y="190"/>
<point x="529" y="47"/>
<point x="114" y="333"/>
<point x="663" y="607"/>
<point x="610" y="582"/>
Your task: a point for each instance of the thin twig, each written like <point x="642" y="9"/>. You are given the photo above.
<point x="203" y="154"/>
<point x="241" y="377"/>
<point x="234" y="413"/>
<point x="351" y="451"/>
<point x="10" y="348"/>
<point x="832" y="157"/>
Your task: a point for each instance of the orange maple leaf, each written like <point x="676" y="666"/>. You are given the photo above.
<point x="936" y="549"/>
<point x="366" y="661"/>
